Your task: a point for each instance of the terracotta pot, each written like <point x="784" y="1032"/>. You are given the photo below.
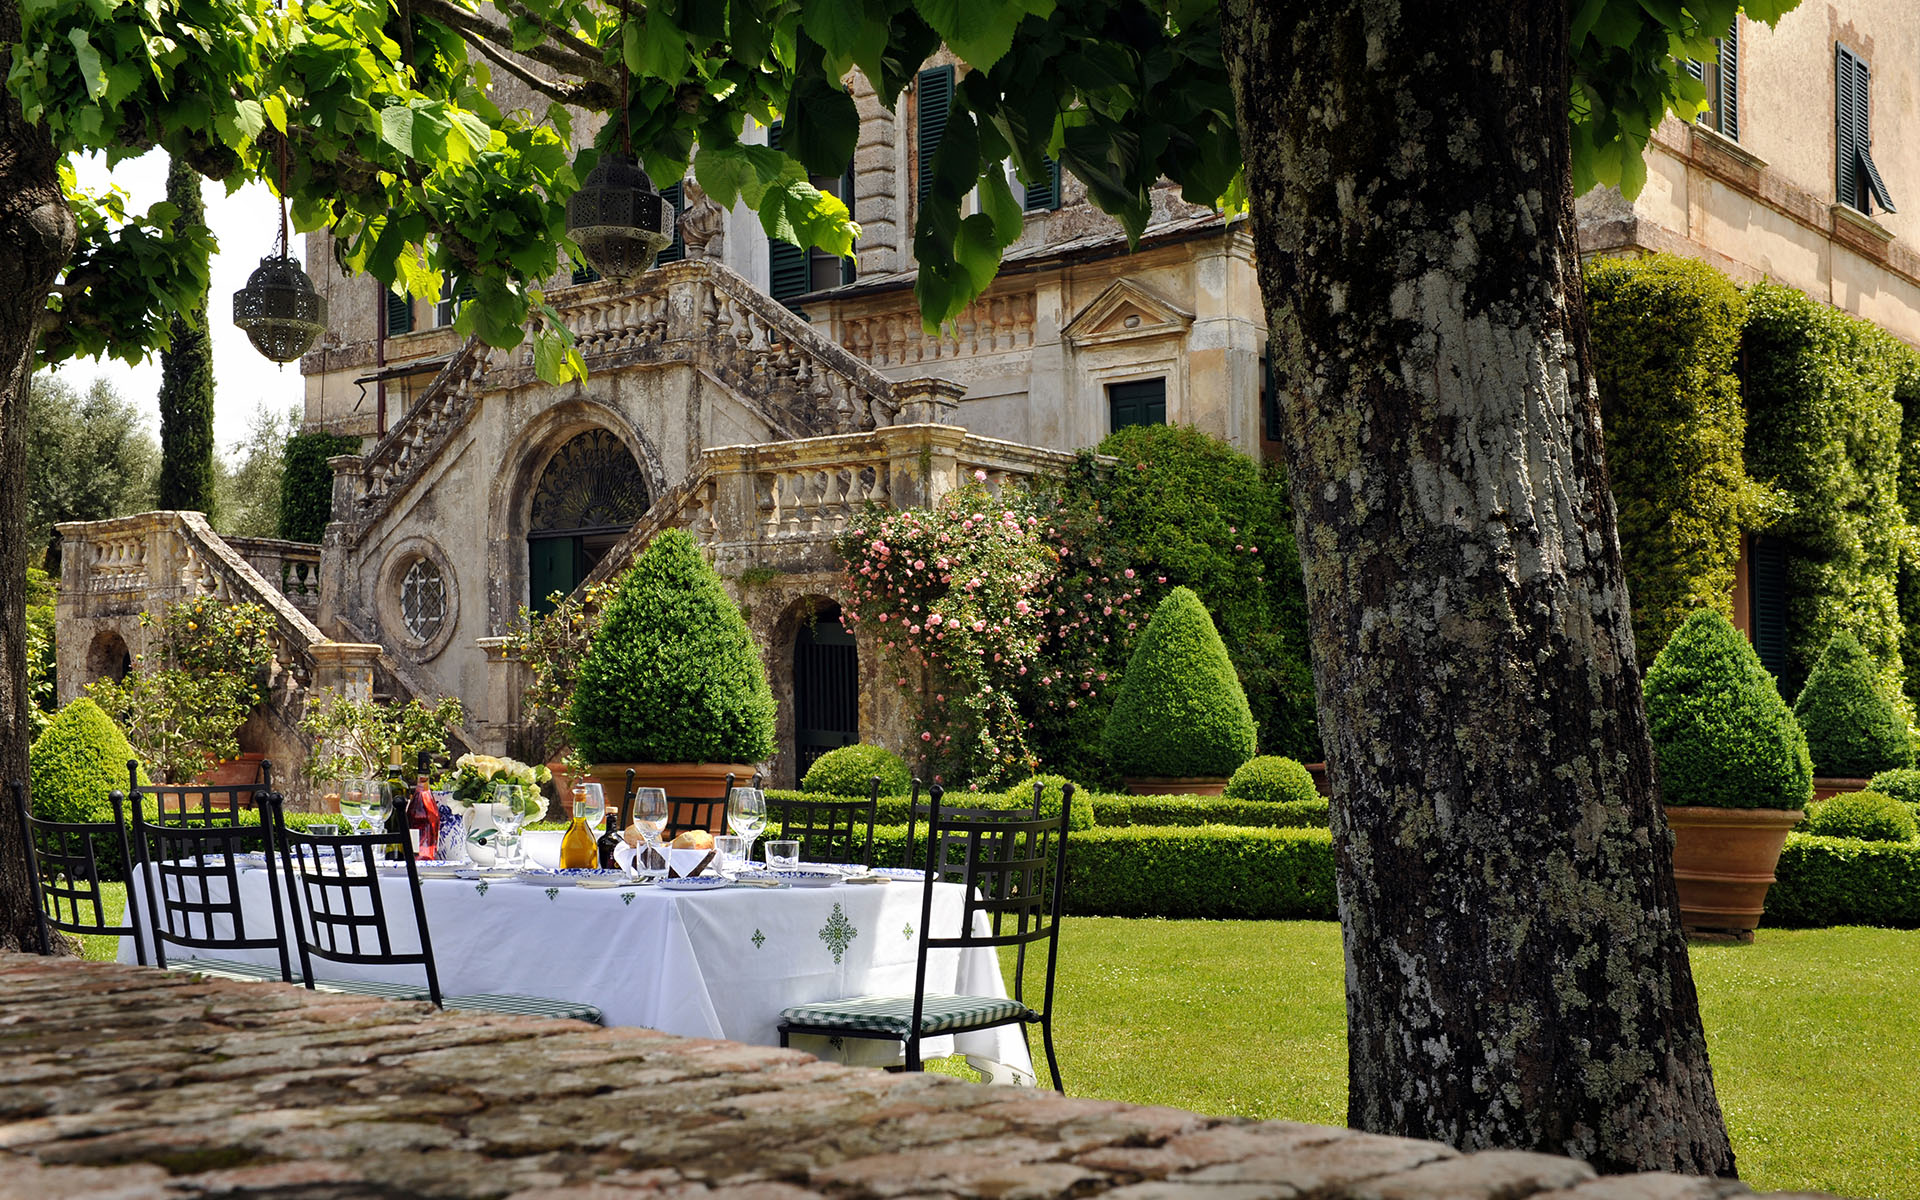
<point x="1175" y="786"/>
<point x="245" y="769"/>
<point x="563" y="789"/>
<point x="1826" y="787"/>
<point x="1320" y="780"/>
<point x="1723" y="860"/>
<point x="680" y="781"/>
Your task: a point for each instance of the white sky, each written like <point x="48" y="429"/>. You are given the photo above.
<point x="246" y="225"/>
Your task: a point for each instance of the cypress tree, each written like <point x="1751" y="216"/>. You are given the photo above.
<point x="186" y="377"/>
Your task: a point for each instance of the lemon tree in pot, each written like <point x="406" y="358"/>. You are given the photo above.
<point x="1734" y="772"/>
<point x="1181" y="723"/>
<point x="672" y="684"/>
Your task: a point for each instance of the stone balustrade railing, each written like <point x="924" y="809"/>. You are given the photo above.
<point x="445" y="405"/>
<point x="293" y="567"/>
<point x="990" y="325"/>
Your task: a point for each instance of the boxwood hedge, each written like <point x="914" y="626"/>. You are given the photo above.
<point x="1840" y="881"/>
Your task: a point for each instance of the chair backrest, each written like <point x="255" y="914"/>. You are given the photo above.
<point x="830" y="829"/>
<point x="699" y="812"/>
<point x="951" y="864"/>
<point x="1013" y="866"/>
<point x="201" y="804"/>
<point x="191" y="880"/>
<point x="339" y="911"/>
<point x="63" y="867"/>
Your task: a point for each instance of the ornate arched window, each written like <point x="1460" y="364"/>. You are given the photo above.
<point x="423" y="600"/>
<point x="590" y="493"/>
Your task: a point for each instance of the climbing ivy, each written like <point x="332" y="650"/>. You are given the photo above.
<point x="306" y="488"/>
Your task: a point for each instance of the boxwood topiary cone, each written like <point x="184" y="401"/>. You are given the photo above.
<point x="1180" y="711"/>
<point x="673" y="675"/>
<point x="1853" y="727"/>
<point x="76" y="761"/>
<point x="1722" y="736"/>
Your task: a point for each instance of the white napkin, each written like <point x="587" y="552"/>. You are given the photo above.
<point x="682" y="861"/>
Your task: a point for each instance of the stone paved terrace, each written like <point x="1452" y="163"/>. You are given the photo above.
<point x="131" y="1083"/>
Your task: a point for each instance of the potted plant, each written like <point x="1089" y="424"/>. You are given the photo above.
<point x="1734" y="772"/>
<point x="1854" y="728"/>
<point x="551" y="646"/>
<point x="672" y="684"/>
<point x="1181" y="723"/>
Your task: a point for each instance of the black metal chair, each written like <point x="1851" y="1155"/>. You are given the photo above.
<point x="63" y="867"/>
<point x="699" y="812"/>
<point x="830" y="829"/>
<point x="951" y="863"/>
<point x="200" y="804"/>
<point x="341" y="914"/>
<point x="1014" y="874"/>
<point x="190" y="874"/>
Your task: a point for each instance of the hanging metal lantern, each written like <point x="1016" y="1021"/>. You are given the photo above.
<point x="279" y="309"/>
<point x="620" y="223"/>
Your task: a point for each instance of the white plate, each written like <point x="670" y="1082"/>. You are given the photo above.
<point x="904" y="874"/>
<point x="438" y="870"/>
<point x="571" y="876"/>
<point x="698" y="883"/>
<point x="484" y="873"/>
<point x="814" y="878"/>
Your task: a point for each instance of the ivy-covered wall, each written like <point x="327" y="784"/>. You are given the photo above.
<point x="1666" y="331"/>
<point x="306" y="490"/>
<point x="1824" y="428"/>
<point x="1906" y="392"/>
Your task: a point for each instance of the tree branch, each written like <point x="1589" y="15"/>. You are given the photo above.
<point x="560" y="33"/>
<point x="471" y="27"/>
<point x="578" y="94"/>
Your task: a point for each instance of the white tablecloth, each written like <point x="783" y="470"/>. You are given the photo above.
<point x="718" y="964"/>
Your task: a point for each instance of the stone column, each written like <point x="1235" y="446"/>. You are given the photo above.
<point x="349" y="485"/>
<point x="927" y="400"/>
<point x="344" y="668"/>
<point x="922" y="462"/>
<point x="506" y="686"/>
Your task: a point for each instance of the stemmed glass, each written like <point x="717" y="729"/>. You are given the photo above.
<point x="509" y="812"/>
<point x="361" y="807"/>
<point x="747" y="814"/>
<point x="650" y="817"/>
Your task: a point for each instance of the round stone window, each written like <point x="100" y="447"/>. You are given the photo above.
<point x="423" y="600"/>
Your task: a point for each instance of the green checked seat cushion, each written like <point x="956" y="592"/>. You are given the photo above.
<point x="368" y="987"/>
<point x="227" y="968"/>
<point x="893" y="1015"/>
<point x="530" y="1006"/>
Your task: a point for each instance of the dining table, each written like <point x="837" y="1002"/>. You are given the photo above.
<point x="721" y="963"/>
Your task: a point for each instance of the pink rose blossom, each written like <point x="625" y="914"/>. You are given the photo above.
<point x="979" y="476"/>
<point x="1129" y="572"/>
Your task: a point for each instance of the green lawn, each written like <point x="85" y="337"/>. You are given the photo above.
<point x="1813" y="1035"/>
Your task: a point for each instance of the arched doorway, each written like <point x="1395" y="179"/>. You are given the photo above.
<point x="590" y="493"/>
<point x="826" y="689"/>
<point x="107" y="657"/>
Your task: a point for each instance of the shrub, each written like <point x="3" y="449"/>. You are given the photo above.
<point x="849" y="771"/>
<point x="306" y="486"/>
<point x="1722" y="736"/>
<point x="1902" y="783"/>
<point x="1052" y="787"/>
<point x="1823" y="429"/>
<point x="1841" y="881"/>
<point x="1906" y="393"/>
<point x="1865" y="816"/>
<point x="1853" y="727"/>
<point x="1665" y="333"/>
<point x="72" y="766"/>
<point x="1273" y="779"/>
<point x="1180" y="711"/>
<point x="1190" y="811"/>
<point x="673" y="674"/>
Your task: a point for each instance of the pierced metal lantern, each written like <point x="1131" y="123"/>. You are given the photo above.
<point x="279" y="309"/>
<point x="620" y="223"/>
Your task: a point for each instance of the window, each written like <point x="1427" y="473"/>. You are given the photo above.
<point x="399" y="314"/>
<point x="1137" y="402"/>
<point x="423" y="600"/>
<point x="1722" y="80"/>
<point x="676" y="195"/>
<point x="1045" y="192"/>
<point x="585" y="275"/>
<point x="933" y="97"/>
<point x="793" y="270"/>
<point x="1767" y="600"/>
<point x="1860" y="185"/>
<point x="451" y="298"/>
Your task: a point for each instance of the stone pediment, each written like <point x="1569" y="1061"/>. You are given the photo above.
<point x="1124" y="312"/>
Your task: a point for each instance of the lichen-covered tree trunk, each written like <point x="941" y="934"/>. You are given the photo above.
<point x="1516" y="973"/>
<point x="186" y="377"/>
<point x="36" y="237"/>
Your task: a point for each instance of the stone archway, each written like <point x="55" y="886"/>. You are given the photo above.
<point x="108" y="657"/>
<point x="589" y="493"/>
<point x="824" y="685"/>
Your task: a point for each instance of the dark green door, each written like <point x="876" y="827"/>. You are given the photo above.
<point x="554" y="565"/>
<point x="1137" y="402"/>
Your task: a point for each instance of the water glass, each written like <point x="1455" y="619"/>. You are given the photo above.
<point x="747" y="813"/>
<point x="783" y="854"/>
<point x="649" y="819"/>
<point x="508" y="814"/>
<point x="729" y="853"/>
<point x="589" y="804"/>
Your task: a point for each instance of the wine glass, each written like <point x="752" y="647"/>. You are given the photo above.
<point x="649" y="818"/>
<point x="509" y="812"/>
<point x="747" y="814"/>
<point x="589" y="804"/>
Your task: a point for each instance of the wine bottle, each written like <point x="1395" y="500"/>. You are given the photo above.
<point x="423" y="815"/>
<point x="397" y="797"/>
<point x="609" y="841"/>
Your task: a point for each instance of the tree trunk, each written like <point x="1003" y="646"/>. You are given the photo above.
<point x="38" y="233"/>
<point x="1516" y="973"/>
<point x="186" y="377"/>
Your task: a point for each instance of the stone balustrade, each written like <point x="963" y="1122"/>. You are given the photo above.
<point x="122" y="1081"/>
<point x="293" y="567"/>
<point x="441" y="409"/>
<point x="993" y="324"/>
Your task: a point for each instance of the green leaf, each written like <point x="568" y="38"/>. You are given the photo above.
<point x="396" y="128"/>
<point x="838" y="25"/>
<point x="88" y="60"/>
<point x="276" y="110"/>
<point x="979" y="31"/>
<point x="657" y="48"/>
<point x="822" y="125"/>
<point x="997" y="203"/>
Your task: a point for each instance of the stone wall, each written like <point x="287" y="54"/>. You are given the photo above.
<point x="128" y="1082"/>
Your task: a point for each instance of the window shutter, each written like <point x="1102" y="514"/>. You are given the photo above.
<point x="787" y="271"/>
<point x="1728" y="101"/>
<point x="933" y="97"/>
<point x="1767" y="589"/>
<point x="585" y="275"/>
<point x="1137" y="402"/>
<point x="399" y="314"/>
<point x="1845" y="145"/>
<point x="1046" y="193"/>
<point x="850" y="265"/>
<point x="674" y="194"/>
<point x="1270" y="396"/>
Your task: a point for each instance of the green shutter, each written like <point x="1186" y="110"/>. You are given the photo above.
<point x="1848" y="93"/>
<point x="399" y="314"/>
<point x="1137" y="402"/>
<point x="787" y="274"/>
<point x="933" y="94"/>
<point x="1727" y="102"/>
<point x="1045" y="194"/>
<point x="585" y="275"/>
<point x="1767" y="600"/>
<point x="675" y="194"/>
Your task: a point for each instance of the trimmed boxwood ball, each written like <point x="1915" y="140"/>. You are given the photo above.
<point x="1866" y="816"/>
<point x="849" y="771"/>
<point x="1722" y="736"/>
<point x="1853" y="727"/>
<point x="1273" y="779"/>
<point x="76" y="761"/>
<point x="672" y="675"/>
<point x="1902" y="783"/>
<point x="1180" y="712"/>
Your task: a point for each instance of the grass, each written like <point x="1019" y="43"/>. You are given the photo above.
<point x="1812" y="1034"/>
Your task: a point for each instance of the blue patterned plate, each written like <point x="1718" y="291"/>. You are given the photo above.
<point x="905" y="874"/>
<point x="695" y="883"/>
<point x="569" y="876"/>
<point x="822" y="877"/>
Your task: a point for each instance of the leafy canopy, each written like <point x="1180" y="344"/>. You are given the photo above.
<point x="389" y="134"/>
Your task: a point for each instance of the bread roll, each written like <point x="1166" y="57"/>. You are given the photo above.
<point x="694" y="839"/>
